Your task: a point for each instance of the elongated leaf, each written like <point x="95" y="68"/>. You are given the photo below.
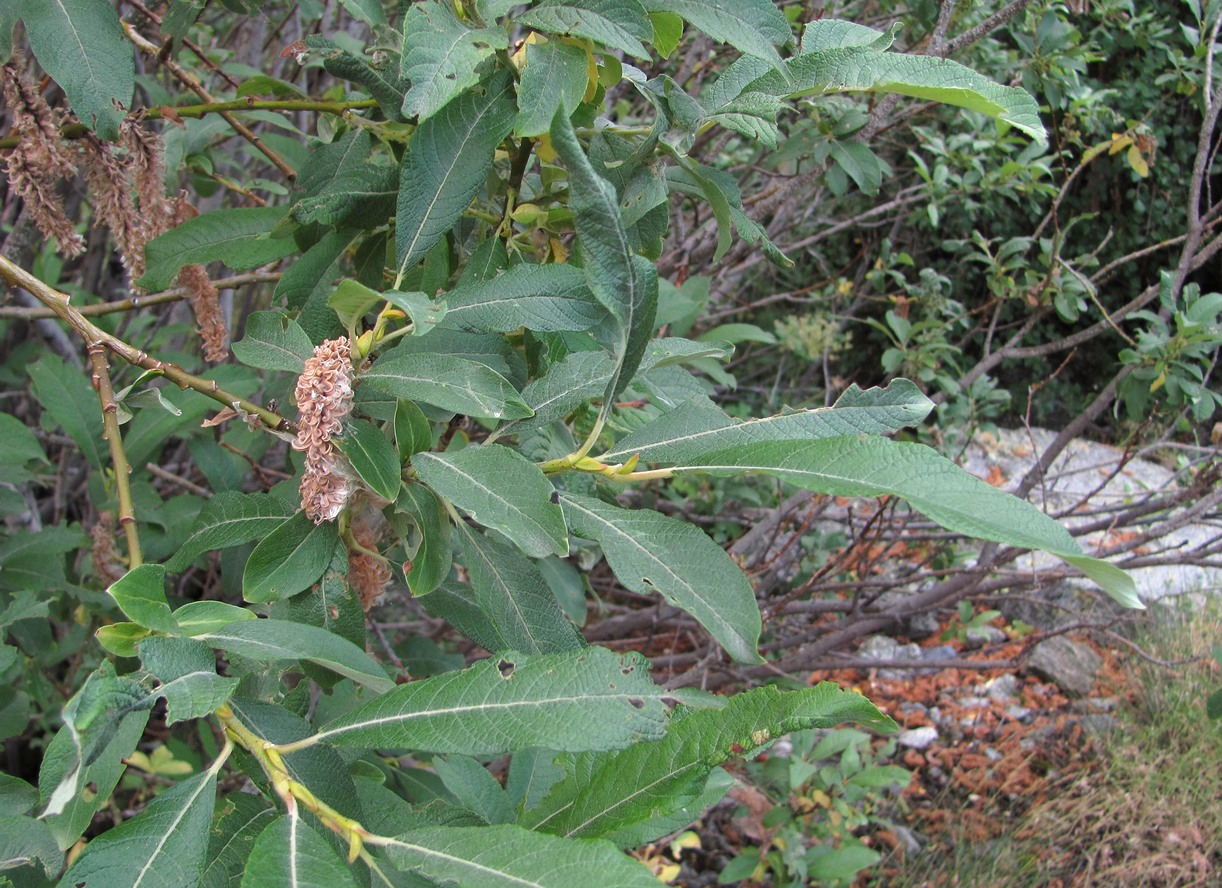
<point x="873" y="466"/>
<point x="200" y="617"/>
<point x="186" y="669"/>
<point x="140" y="593"/>
<point x="616" y="24"/>
<point x="506" y="855"/>
<point x="25" y="841"/>
<point x="373" y="456"/>
<point x="543" y="298"/>
<point x="650" y="552"/>
<point x="329" y="604"/>
<point x="229" y="519"/>
<point x="755" y="27"/>
<point x="450" y="156"/>
<point x="448" y="382"/>
<point x="425" y="313"/>
<point x="430" y="551"/>
<point x="18" y="444"/>
<point x="566" y="386"/>
<point x="626" y="285"/>
<point x="237" y="237"/>
<point x="273" y="640"/>
<point x="359" y="197"/>
<point x="573" y="701"/>
<point x="502" y="490"/>
<point x="289" y="560"/>
<point x="273" y="342"/>
<point x="163" y="846"/>
<point x="379" y="73"/>
<point x="81" y="44"/>
<point x="694" y="429"/>
<point x="626" y="787"/>
<point x="291" y="854"/>
<point x="475" y="788"/>
<point x="862" y="69"/>
<point x="515" y="597"/>
<point x="554" y="79"/>
<point x="837" y="33"/>
<point x="240" y="818"/>
<point x="442" y="56"/>
<point x="66" y="398"/>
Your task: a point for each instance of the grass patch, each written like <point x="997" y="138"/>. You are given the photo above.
<point x="1147" y="811"/>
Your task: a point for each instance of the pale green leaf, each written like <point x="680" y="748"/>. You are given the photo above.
<point x="161" y="847"/>
<point x="351" y="301"/>
<point x="425" y="313"/>
<point x="120" y="639"/>
<point x="140" y="594"/>
<point x="289" y="559"/>
<point x="229" y="519"/>
<point x="862" y="69"/>
<point x="837" y="33"/>
<point x="626" y="285"/>
<point x="667" y="32"/>
<point x="515" y="598"/>
<point x="200" y="617"/>
<point x="373" y="457"/>
<point x="616" y="24"/>
<point x="448" y="382"/>
<point x="755" y="27"/>
<point x="186" y="669"/>
<point x="627" y="787"/>
<point x="368" y="11"/>
<point x="650" y="552"/>
<point x="240" y="817"/>
<point x="502" y="490"/>
<point x="448" y="162"/>
<point x="442" y="56"/>
<point x="694" y="429"/>
<point x="289" y="853"/>
<point x="572" y="701"/>
<point x="542" y="298"/>
<point x="876" y="466"/>
<point x="508" y="856"/>
<point x="237" y="237"/>
<point x="554" y="79"/>
<point x="81" y="44"/>
<point x="271" y="641"/>
<point x="566" y="386"/>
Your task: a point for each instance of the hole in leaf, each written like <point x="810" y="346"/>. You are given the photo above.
<point x="636" y="702"/>
<point x="506" y="668"/>
<point x="555" y="497"/>
<point x="628" y="670"/>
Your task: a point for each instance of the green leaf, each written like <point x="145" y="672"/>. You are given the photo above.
<point x="237" y="237"/>
<point x="554" y="79"/>
<point x="351" y="300"/>
<point x="448" y="382"/>
<point x="475" y="788"/>
<point x="448" y="162"/>
<point x="431" y="555"/>
<point x="270" y="641"/>
<point x="186" y="669"/>
<point x="329" y="604"/>
<point x="24" y="840"/>
<point x="620" y="789"/>
<point x="836" y="33"/>
<point x="875" y="466"/>
<point x="229" y="519"/>
<point x="289" y="559"/>
<point x="860" y="163"/>
<point x="65" y="396"/>
<point x="616" y="24"/>
<point x="755" y="27"/>
<point x="161" y="847"/>
<point x="502" y="490"/>
<point x="368" y="11"/>
<point x="291" y="854"/>
<point x="379" y="74"/>
<point x="626" y="285"/>
<point x="515" y="597"/>
<point x="863" y="69"/>
<point x="650" y="552"/>
<point x="140" y="593"/>
<point x="504" y="856"/>
<point x="542" y="298"/>
<point x="566" y="386"/>
<point x="667" y="32"/>
<point x="694" y="429"/>
<point x="240" y="817"/>
<point x="413" y="432"/>
<point x="120" y="639"/>
<point x="572" y="701"/>
<point x="373" y="456"/>
<point x="442" y="56"/>
<point x="34" y="562"/>
<point x="18" y="444"/>
<point x="81" y="44"/>
<point x="357" y="197"/>
<point x="425" y="313"/>
<point x="273" y="342"/>
<point x="201" y="617"/>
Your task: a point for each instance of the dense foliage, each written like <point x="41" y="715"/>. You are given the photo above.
<point x="443" y="227"/>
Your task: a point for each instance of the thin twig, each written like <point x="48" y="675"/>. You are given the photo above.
<point x="118" y="456"/>
<point x="131" y="303"/>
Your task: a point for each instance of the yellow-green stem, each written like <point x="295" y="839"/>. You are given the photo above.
<point x="118" y="456"/>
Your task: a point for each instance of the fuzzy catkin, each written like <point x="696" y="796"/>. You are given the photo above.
<point x="324" y="398"/>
